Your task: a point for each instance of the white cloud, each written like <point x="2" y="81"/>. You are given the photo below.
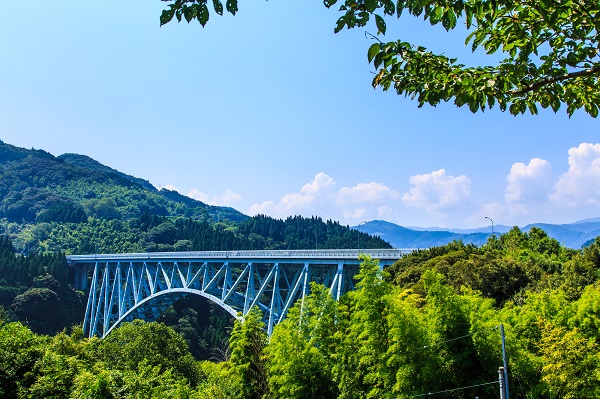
<point x="528" y="183"/>
<point x="438" y="192"/>
<point x="305" y="202"/>
<point x="319" y="197"/>
<point x="198" y="195"/>
<point x="171" y="187"/>
<point x="228" y="198"/>
<point x="365" y="192"/>
<point x="320" y="182"/>
<point x="263" y="208"/>
<point x="580" y="185"/>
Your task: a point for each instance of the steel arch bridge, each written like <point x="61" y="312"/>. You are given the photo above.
<point x="131" y="286"/>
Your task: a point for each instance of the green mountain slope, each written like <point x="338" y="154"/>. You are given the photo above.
<point x="33" y="181"/>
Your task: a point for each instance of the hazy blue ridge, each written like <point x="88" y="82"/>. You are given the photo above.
<point x="573" y="235"/>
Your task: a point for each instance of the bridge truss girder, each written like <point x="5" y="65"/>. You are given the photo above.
<point x="123" y="290"/>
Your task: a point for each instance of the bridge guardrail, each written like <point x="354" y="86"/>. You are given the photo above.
<point x="245" y="254"/>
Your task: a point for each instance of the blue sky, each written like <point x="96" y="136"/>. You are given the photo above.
<point x="271" y="112"/>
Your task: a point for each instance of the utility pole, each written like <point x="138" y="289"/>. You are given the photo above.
<point x="505" y="368"/>
<point x="501" y="381"/>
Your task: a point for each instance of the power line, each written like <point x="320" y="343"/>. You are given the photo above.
<point x="455" y="389"/>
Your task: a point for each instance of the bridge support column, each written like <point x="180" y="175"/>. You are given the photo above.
<point x="275" y="307"/>
<point x="250" y="289"/>
<point x="81" y="274"/>
<point x="338" y="282"/>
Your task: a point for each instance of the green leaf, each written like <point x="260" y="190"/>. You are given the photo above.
<point x="188" y="13"/>
<point x="218" y="6"/>
<point x="373" y="50"/>
<point x="166" y="16"/>
<point x="341" y="22"/>
<point x="329" y="3"/>
<point x="379" y="58"/>
<point x="203" y="15"/>
<point x="437" y="15"/>
<point x="371" y="5"/>
<point x="514" y="109"/>
<point x="380" y="24"/>
<point x="449" y="20"/>
<point x="232" y="6"/>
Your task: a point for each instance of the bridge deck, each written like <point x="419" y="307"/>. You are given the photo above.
<point x="244" y="255"/>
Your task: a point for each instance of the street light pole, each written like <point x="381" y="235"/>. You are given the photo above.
<point x="492" y="225"/>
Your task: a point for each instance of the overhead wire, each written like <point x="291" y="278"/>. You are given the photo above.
<point x="457" y="338"/>
<point x="454" y="389"/>
<point x="428" y="393"/>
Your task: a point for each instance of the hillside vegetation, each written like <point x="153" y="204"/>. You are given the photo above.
<point x="37" y="186"/>
<point x="383" y="340"/>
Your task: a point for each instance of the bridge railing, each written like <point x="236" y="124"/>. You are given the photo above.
<point x="382" y="254"/>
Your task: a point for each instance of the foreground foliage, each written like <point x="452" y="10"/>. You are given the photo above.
<point x="379" y="341"/>
<point x="550" y="49"/>
<point x="429" y="323"/>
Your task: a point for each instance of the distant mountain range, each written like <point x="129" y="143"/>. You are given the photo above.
<point x="573" y="235"/>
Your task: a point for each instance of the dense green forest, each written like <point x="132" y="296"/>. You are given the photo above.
<point x="35" y="288"/>
<point x="71" y="204"/>
<point x="428" y="324"/>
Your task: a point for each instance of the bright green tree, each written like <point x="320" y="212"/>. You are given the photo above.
<point x="571" y="363"/>
<point x="247" y="343"/>
<point x="299" y="352"/>
<point x="20" y="349"/>
<point x="151" y="344"/>
<point x="218" y="382"/>
<point x="550" y="50"/>
<point x="361" y="369"/>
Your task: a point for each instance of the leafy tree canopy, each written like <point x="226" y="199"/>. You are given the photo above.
<point x="550" y="47"/>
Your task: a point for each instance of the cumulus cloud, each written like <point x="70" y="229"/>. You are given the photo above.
<point x="171" y="187"/>
<point x="580" y="185"/>
<point x="198" y="195"/>
<point x="310" y="195"/>
<point x="319" y="197"/>
<point x="437" y="192"/>
<point x="228" y="198"/>
<point x="364" y="193"/>
<point x="527" y="183"/>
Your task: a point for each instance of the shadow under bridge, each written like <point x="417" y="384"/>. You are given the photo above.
<point x="131" y="286"/>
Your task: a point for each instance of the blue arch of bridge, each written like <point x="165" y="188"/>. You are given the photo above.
<point x="176" y="294"/>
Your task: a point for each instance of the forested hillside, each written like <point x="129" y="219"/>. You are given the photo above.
<point x="37" y="186"/>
